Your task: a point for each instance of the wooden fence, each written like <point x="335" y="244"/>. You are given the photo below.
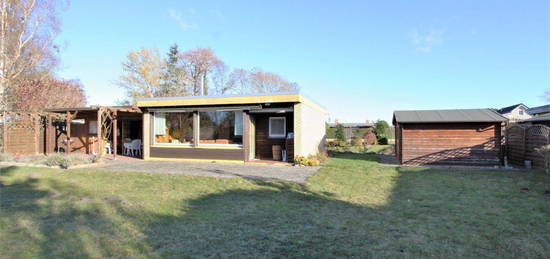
<point x="521" y="142"/>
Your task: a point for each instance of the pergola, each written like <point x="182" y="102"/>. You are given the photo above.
<point x="107" y="123"/>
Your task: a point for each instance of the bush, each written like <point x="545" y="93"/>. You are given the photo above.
<point x="337" y="143"/>
<point x="65" y="162"/>
<point x="356" y="141"/>
<point x="307" y="161"/>
<point x="322" y="157"/>
<point x="53" y="160"/>
<point x="6" y="157"/>
<point x="383" y="141"/>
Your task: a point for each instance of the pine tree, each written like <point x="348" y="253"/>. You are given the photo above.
<point x="339" y="134"/>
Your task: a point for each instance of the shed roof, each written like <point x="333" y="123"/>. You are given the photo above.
<point x="443" y="116"/>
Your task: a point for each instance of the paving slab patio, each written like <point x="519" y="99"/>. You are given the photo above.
<point x="296" y="174"/>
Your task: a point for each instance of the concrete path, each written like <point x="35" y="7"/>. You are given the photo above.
<point x="252" y="171"/>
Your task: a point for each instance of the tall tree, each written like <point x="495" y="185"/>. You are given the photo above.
<point x="27" y="30"/>
<point x="37" y="94"/>
<point x="200" y="63"/>
<point x="175" y="80"/>
<point x="380" y="128"/>
<point x="142" y="76"/>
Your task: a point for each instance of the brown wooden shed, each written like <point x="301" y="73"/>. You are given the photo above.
<point x="449" y="137"/>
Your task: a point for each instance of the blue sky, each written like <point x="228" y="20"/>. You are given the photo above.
<point x="360" y="59"/>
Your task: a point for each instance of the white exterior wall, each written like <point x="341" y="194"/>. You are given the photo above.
<point x="309" y="129"/>
<point x="515" y="115"/>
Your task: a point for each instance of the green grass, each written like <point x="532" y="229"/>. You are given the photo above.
<point x="352" y="207"/>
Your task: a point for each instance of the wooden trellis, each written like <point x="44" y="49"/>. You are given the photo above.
<point x="521" y="142"/>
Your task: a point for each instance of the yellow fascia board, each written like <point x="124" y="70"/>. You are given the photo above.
<point x="195" y="160"/>
<point x="221" y="100"/>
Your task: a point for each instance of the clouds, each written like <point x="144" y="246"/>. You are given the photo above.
<point x="426" y="41"/>
<point x="184" y="23"/>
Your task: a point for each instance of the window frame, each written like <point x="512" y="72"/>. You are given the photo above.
<point x="153" y="131"/>
<point x="89" y="127"/>
<point x="218" y="144"/>
<point x="195" y="141"/>
<point x="270" y="134"/>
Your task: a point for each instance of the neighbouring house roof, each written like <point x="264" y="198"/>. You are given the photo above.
<point x="351" y="125"/>
<point x="539" y="109"/>
<point x="283" y="97"/>
<point x="443" y="116"/>
<point x="511" y="108"/>
<point x="545" y="117"/>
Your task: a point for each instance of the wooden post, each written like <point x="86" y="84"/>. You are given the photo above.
<point x="196" y="129"/>
<point x="99" y="134"/>
<point x="122" y="134"/>
<point x="36" y="132"/>
<point x="48" y="133"/>
<point x="146" y="134"/>
<point x="115" y="121"/>
<point x="246" y="136"/>
<point x="68" y="125"/>
<point x="5" y="132"/>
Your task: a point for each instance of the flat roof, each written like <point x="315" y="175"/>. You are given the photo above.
<point x="282" y="97"/>
<point x="443" y="116"/>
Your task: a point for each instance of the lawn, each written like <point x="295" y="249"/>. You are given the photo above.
<point x="352" y="207"/>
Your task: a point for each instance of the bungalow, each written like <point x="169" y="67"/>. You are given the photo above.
<point x="232" y="128"/>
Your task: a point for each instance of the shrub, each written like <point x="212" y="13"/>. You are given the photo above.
<point x="337" y="143"/>
<point x="65" y="162"/>
<point x="544" y="151"/>
<point x="307" y="161"/>
<point x="6" y="157"/>
<point x="322" y="157"/>
<point x="356" y="141"/>
<point x="53" y="160"/>
<point x="383" y="141"/>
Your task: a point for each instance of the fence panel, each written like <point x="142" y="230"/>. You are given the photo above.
<point x="515" y="145"/>
<point x="522" y="142"/>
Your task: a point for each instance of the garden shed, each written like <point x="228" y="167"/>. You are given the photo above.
<point x="449" y="137"/>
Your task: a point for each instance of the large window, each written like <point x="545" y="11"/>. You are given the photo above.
<point x="221" y="127"/>
<point x="173" y="127"/>
<point x="277" y="127"/>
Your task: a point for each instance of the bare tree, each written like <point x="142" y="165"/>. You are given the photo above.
<point x="27" y="30"/>
<point x="238" y="81"/>
<point x="37" y="94"/>
<point x="267" y="82"/>
<point x="142" y="76"/>
<point x="199" y="64"/>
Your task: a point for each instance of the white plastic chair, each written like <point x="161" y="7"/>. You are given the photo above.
<point x="108" y="148"/>
<point x="135" y="147"/>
